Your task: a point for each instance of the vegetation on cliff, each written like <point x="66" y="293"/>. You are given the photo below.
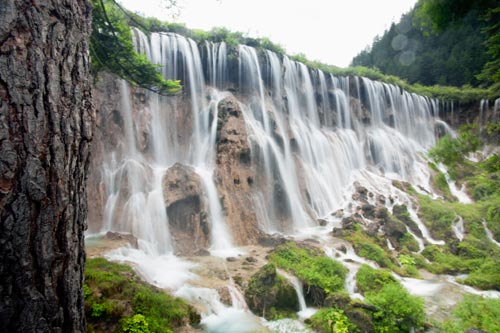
<point x="112" y="49"/>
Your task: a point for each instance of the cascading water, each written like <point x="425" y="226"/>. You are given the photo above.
<point x="311" y="136"/>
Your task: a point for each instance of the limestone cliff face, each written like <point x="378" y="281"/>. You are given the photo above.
<point x="187" y="210"/>
<point x="234" y="175"/>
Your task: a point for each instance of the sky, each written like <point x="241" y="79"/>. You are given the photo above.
<point x="331" y="31"/>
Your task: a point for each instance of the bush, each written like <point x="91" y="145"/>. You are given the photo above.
<point x="397" y="310"/>
<point x="135" y="324"/>
<point x="332" y="320"/>
<point x="475" y="311"/>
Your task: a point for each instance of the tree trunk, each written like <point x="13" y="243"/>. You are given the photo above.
<point x="45" y="129"/>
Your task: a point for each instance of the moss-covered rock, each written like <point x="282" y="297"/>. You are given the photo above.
<point x="369" y="279"/>
<point x="320" y="274"/>
<point x="116" y="298"/>
<point x="270" y="295"/>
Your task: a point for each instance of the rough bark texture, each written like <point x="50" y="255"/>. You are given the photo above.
<point x="45" y="129"/>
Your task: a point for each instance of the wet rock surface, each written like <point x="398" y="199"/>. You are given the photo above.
<point x="187" y="210"/>
<point x="234" y="174"/>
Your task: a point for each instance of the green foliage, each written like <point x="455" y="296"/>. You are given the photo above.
<point x="369" y="248"/>
<point x="487" y="276"/>
<point x="397" y="310"/>
<point x="474" y="311"/>
<point x="311" y="266"/>
<point x="332" y="320"/>
<point x="112" y="49"/>
<point x="437" y="216"/>
<point x="114" y="294"/>
<point x="450" y="150"/>
<point x="409" y="242"/>
<point x="135" y="324"/>
<point x="369" y="279"/>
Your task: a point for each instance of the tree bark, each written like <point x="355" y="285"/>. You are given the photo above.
<point x="45" y="129"/>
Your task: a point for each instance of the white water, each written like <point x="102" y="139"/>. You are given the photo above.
<point x="458" y="228"/>
<point x="460" y="194"/>
<point x="304" y="311"/>
<point x="312" y="135"/>
<point x="489" y="234"/>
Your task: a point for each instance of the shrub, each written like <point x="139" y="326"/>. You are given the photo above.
<point x="475" y="311"/>
<point x="135" y="324"/>
<point x="397" y="310"/>
<point x="332" y="320"/>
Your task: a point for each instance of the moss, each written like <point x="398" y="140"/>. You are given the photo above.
<point x="437" y="215"/>
<point x="369" y="279"/>
<point x="270" y="295"/>
<point x="113" y="293"/>
<point x="440" y="183"/>
<point x="370" y="248"/>
<point x="311" y="266"/>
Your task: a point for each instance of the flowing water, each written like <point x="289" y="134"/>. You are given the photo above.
<point x="311" y="136"/>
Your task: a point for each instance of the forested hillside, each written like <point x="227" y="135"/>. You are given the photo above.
<point x="434" y="44"/>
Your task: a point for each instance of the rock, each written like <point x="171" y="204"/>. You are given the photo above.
<point x="322" y="222"/>
<point x="361" y="193"/>
<point x="342" y="248"/>
<point x="271" y="240"/>
<point x="337" y="232"/>
<point x="234" y="175"/>
<point x="231" y="259"/>
<point x="225" y="295"/>
<point x="270" y="295"/>
<point x="381" y="200"/>
<point x="339" y="213"/>
<point x="349" y="221"/>
<point x="372" y="229"/>
<point x="251" y="259"/>
<point x="401" y="213"/>
<point x="368" y="210"/>
<point x="187" y="210"/>
<point x="202" y="253"/>
<point x="116" y="236"/>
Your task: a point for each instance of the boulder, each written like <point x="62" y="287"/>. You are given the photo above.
<point x="270" y="295"/>
<point x="121" y="237"/>
<point x="187" y="210"/>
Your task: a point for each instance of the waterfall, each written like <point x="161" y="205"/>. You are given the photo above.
<point x="310" y="135"/>
<point x="489" y="234"/>
<point x="458" y="228"/>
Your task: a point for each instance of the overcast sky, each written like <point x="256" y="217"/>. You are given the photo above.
<point x="332" y="31"/>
